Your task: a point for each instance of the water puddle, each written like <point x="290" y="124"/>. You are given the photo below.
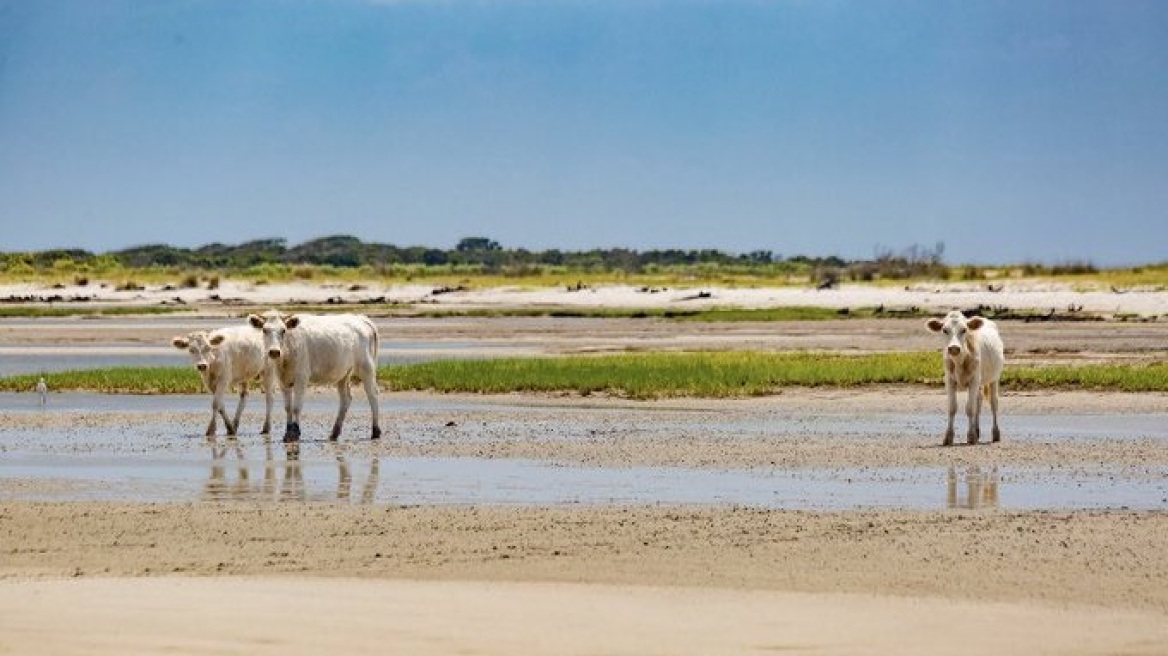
<point x="125" y="448"/>
<point x="229" y="470"/>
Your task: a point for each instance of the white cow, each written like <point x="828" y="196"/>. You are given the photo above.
<point x="226" y="357"/>
<point x="974" y="357"/>
<point x="321" y="349"/>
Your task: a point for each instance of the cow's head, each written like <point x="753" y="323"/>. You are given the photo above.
<point x="201" y="347"/>
<point x="956" y="329"/>
<point x="275" y="327"/>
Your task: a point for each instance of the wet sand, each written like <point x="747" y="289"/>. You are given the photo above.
<point x="200" y="577"/>
<point x="495" y="336"/>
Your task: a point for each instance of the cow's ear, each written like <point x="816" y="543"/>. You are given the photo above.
<point x="934" y="325"/>
<point x="255" y="320"/>
<point x="217" y="339"/>
<point x="292" y="321"/>
<point x="975" y="323"/>
<point x="180" y="343"/>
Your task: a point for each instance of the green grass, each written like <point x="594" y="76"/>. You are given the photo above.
<point x="650" y="375"/>
<point x="739" y="374"/>
<point x="653" y="375"/>
<point x="1151" y="377"/>
<point x="114" y="380"/>
<point x="36" y="312"/>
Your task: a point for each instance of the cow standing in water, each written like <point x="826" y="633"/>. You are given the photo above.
<point x="973" y="357"/>
<point x="320" y="349"/>
<point x="225" y="357"/>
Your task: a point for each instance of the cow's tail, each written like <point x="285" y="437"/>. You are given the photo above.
<point x="374" y="345"/>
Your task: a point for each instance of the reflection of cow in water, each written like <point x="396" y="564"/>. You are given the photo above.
<point x="981" y="489"/>
<point x="230" y="477"/>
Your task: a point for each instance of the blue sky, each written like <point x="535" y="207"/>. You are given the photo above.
<point x="1011" y="131"/>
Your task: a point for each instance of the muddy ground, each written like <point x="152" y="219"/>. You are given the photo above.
<point x="1056" y="581"/>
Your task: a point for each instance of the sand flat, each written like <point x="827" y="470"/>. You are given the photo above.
<point x="352" y="616"/>
<point x="102" y="577"/>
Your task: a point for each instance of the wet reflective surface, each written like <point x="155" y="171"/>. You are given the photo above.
<point x="148" y="448"/>
<point x="229" y="470"/>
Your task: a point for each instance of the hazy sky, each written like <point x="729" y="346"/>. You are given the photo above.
<point x="1011" y="131"/>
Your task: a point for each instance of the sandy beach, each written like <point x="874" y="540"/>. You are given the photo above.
<point x="87" y="576"/>
<point x="941" y="296"/>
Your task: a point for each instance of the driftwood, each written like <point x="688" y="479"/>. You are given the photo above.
<point x="55" y="298"/>
<point x="1001" y="313"/>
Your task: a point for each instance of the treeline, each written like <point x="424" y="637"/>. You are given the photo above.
<point x="474" y="254"/>
<point x="274" y="258"/>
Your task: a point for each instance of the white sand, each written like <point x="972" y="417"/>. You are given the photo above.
<point x="935" y="296"/>
<point x="347" y="616"/>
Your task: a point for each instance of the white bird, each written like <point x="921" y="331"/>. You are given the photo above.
<point x="42" y="388"/>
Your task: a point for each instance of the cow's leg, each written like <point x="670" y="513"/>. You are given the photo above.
<point x="239" y="408"/>
<point x="220" y="394"/>
<point x="993" y="393"/>
<point x="286" y="392"/>
<point x="218" y="409"/>
<point x="951" y="391"/>
<point x="369" y="381"/>
<point x="212" y="427"/>
<point x="269" y="384"/>
<point x="972" y="408"/>
<point x="346" y="398"/>
<point x="293" y="397"/>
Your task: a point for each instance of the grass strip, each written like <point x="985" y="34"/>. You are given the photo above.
<point x="656" y="375"/>
<point x="113" y="380"/>
<point x="649" y="375"/>
<point x="66" y="310"/>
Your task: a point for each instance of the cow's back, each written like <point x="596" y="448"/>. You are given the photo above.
<point x="327" y="348"/>
<point x="242" y="350"/>
<point x="992" y="351"/>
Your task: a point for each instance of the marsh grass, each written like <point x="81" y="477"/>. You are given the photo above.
<point x="655" y="375"/>
<point x="1150" y="377"/>
<point x="651" y="375"/>
<point x="113" y="380"/>
<point x="36" y="312"/>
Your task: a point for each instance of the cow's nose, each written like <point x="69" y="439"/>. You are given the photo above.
<point x="202" y="366"/>
<point x="954" y="349"/>
<point x="274" y="354"/>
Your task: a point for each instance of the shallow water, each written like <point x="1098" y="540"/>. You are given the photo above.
<point x="138" y="457"/>
<point x="237" y="473"/>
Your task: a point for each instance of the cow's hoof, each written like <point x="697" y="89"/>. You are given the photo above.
<point x="376" y="433"/>
<point x="333" y="436"/>
<point x="266" y="430"/>
<point x="292" y="433"/>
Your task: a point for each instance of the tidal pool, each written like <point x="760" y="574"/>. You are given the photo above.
<point x="148" y="449"/>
